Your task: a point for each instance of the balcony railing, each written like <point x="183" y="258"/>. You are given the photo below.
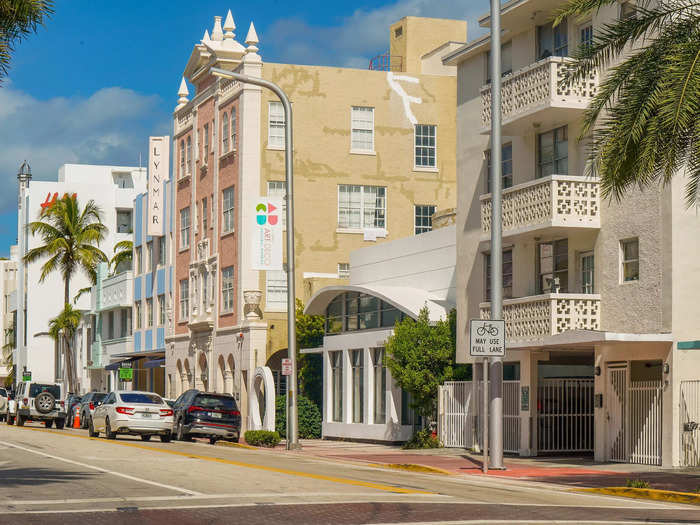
<point x="554" y="201"/>
<point x="537" y="86"/>
<point x="117" y="291"/>
<point x="183" y="120"/>
<point x="386" y="62"/>
<point x="529" y="319"/>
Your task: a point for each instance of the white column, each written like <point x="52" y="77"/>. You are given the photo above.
<point x="368" y="386"/>
<point x="347" y="387"/>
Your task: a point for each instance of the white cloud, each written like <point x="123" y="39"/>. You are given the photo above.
<point x="362" y="35"/>
<point x="111" y="126"/>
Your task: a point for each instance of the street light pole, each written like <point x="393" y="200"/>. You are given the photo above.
<point x="496" y="363"/>
<point x="293" y="420"/>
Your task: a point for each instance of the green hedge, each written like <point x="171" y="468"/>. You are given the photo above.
<point x="423" y="439"/>
<point x="262" y="438"/>
<point x="309" y="418"/>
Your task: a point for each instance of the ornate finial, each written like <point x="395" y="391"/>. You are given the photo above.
<point x="217" y="33"/>
<point x="25" y="171"/>
<point x="252" y="40"/>
<point x="182" y="94"/>
<point x="229" y="26"/>
<point x="206" y="38"/>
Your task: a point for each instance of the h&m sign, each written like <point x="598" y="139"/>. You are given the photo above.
<point x="158" y="172"/>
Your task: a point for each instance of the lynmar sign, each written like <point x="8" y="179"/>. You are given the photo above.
<point x="158" y="172"/>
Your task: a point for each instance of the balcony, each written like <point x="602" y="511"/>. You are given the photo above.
<point x="529" y="319"/>
<point x="534" y="96"/>
<point x="116" y="292"/>
<point x="557" y="201"/>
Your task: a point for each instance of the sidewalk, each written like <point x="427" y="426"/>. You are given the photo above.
<point x="573" y="471"/>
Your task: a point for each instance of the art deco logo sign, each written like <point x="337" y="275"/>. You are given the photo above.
<point x="267" y="234"/>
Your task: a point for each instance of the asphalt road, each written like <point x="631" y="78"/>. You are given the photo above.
<point x="52" y="476"/>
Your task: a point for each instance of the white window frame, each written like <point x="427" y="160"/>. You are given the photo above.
<point x="415" y="218"/>
<point x="227" y="214"/>
<point x="138" y="266"/>
<point x="624" y="262"/>
<point x="185" y="231"/>
<point x="273" y="291"/>
<point x="184" y="299"/>
<point x="149" y="312"/>
<point x="137" y="315"/>
<point x="343" y="270"/>
<point x="427" y="167"/>
<point x="205" y="215"/>
<point x="162" y="255"/>
<point x="205" y="157"/>
<point x="361" y="227"/>
<point x="361" y="125"/>
<point x="182" y="159"/>
<point x="161" y="310"/>
<point x="234" y="129"/>
<point x="275" y="125"/>
<point x="273" y="190"/>
<point x="227" y="296"/>
<point x="189" y="154"/>
<point x="224" y="134"/>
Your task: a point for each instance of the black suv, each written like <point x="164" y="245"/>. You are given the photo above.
<point x="206" y="414"/>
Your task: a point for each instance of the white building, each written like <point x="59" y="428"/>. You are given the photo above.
<point x="113" y="189"/>
<point x="600" y="301"/>
<point x="8" y="286"/>
<point x="387" y="282"/>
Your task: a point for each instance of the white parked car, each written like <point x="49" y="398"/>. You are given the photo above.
<point x="142" y="414"/>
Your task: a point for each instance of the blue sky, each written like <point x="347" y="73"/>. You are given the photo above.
<point x="102" y="76"/>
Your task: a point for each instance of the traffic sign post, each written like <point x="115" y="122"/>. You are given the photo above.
<point x="126" y="374"/>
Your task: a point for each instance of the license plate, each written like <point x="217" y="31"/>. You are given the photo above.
<point x="216" y="415"/>
<point x="146" y="414"/>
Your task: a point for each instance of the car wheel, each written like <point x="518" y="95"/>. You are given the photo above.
<point x="181" y="434"/>
<point x="212" y="441"/>
<point x="91" y="430"/>
<point x="60" y="423"/>
<point x="20" y="421"/>
<point x="108" y="431"/>
<point x="145" y="437"/>
<point x="165" y="438"/>
<point x="48" y="423"/>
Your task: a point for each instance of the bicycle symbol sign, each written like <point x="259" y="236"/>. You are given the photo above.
<point x="487" y="337"/>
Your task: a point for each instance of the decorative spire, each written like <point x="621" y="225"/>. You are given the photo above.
<point x="217" y="33"/>
<point x="182" y="94"/>
<point x="229" y="26"/>
<point x="206" y="38"/>
<point x="252" y="40"/>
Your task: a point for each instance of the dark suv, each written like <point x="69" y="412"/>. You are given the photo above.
<point x="206" y="414"/>
<point x="88" y="404"/>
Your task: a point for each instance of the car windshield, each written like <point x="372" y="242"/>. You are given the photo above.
<point x="150" y="399"/>
<point x="100" y="396"/>
<point x="3" y="392"/>
<point x="37" y="389"/>
<point x="215" y="402"/>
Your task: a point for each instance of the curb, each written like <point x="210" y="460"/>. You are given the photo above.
<point x="412" y="467"/>
<point x="653" y="494"/>
<point x="234" y="445"/>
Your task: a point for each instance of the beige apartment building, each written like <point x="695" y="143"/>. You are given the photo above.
<point x="374" y="159"/>
<point x="600" y="296"/>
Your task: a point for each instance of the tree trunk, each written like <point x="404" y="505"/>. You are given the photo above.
<point x="67" y="353"/>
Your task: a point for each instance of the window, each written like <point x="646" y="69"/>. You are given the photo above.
<point x="425" y="146"/>
<point x="205" y="290"/>
<point x="352" y="311"/>
<point x="228" y="210"/>
<point x="189" y="154"/>
<point x="361" y="206"/>
<point x="507" y="275"/>
<point x="184" y="298"/>
<point x="423" y="218"/>
<point x="506" y="61"/>
<point x="137" y="256"/>
<point x="227" y="289"/>
<point x="336" y="360"/>
<point x="205" y="157"/>
<point x="205" y="216"/>
<point x="110" y="325"/>
<point x="553" y="152"/>
<point x="552" y="41"/>
<point x="553" y="262"/>
<point x="587" y="265"/>
<point x="161" y="310"/>
<point x="278" y="189"/>
<point x="506" y="167"/>
<point x="149" y="255"/>
<point x="184" y="228"/>
<point x="137" y="315"/>
<point x="124" y="221"/>
<point x="379" y="376"/>
<point x="234" y="129"/>
<point x="358" y="384"/>
<point x="182" y="158"/>
<point x="630" y="260"/>
<point x="276" y="286"/>
<point x="161" y="251"/>
<point x="344" y="270"/>
<point x="362" y="133"/>
<point x="224" y="134"/>
<point x="149" y="313"/>
<point x="275" y="127"/>
<point x="586" y="35"/>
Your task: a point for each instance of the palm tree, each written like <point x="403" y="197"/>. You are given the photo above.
<point x="64" y="326"/>
<point x="71" y="237"/>
<point x="19" y="18"/>
<point x="642" y="121"/>
<point x="123" y="254"/>
<point x="8" y="354"/>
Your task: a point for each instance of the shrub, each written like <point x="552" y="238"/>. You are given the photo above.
<point x="309" y="418"/>
<point x="262" y="438"/>
<point x="423" y="439"/>
<point x="638" y="484"/>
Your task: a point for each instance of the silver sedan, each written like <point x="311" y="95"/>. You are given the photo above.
<point x="142" y="414"/>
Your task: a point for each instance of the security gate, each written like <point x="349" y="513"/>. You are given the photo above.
<point x="690" y="424"/>
<point x="565" y="416"/>
<point x="617" y="396"/>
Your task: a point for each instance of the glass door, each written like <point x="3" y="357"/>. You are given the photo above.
<point x="587" y="272"/>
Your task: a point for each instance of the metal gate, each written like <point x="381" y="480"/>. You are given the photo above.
<point x="617" y="388"/>
<point x="565" y="416"/>
<point x="644" y="422"/>
<point x="690" y="424"/>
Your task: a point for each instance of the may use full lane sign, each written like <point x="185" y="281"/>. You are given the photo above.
<point x="487" y="338"/>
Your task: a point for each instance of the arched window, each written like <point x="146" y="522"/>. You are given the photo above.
<point x="182" y="158"/>
<point x="234" y="130"/>
<point x="189" y="154"/>
<point x="224" y="134"/>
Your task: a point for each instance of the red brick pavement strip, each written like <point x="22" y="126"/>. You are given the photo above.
<point x="358" y="513"/>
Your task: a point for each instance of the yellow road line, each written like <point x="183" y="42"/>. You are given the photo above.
<point x="653" y="494"/>
<point x="412" y="467"/>
<point x="345" y="481"/>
